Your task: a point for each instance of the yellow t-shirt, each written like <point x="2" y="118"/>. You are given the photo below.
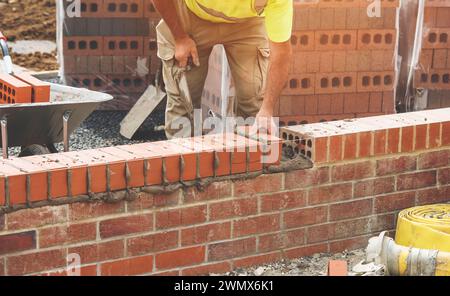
<point x="278" y="14"/>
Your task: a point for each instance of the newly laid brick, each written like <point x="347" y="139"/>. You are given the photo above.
<point x="330" y="193"/>
<point x="180" y="217"/>
<point x="98" y="252"/>
<point x="126" y="225"/>
<point x="182" y="257"/>
<point x="416" y="180"/>
<point x="303" y="217"/>
<point x="152" y="243"/>
<point x="67" y="234"/>
<point x="205" y="233"/>
<point x="36" y="262"/>
<point x="231" y="249"/>
<point x="13" y="243"/>
<point x="127" y="267"/>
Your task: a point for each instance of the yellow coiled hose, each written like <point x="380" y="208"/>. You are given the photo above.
<point x="425" y="227"/>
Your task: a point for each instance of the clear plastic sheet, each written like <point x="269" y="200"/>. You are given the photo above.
<point x="108" y="46"/>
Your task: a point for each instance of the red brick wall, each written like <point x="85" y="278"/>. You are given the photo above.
<point x="333" y="206"/>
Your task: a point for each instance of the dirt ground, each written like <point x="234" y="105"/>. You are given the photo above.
<point x="30" y="20"/>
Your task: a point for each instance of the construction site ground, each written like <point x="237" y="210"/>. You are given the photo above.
<point x="34" y="21"/>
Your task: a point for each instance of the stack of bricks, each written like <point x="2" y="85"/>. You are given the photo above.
<point x="23" y="89"/>
<point x="433" y="71"/>
<point x="344" y="62"/>
<point x="111" y="47"/>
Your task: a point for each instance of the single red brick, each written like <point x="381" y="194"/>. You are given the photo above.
<point x="380" y="142"/>
<point x="434" y="135"/>
<point x="257" y="260"/>
<point x="433" y="195"/>
<point x="407" y="139"/>
<point x="231" y="249"/>
<point x="337" y="268"/>
<point x="67" y="234"/>
<point x="2" y="192"/>
<point x="393" y="139"/>
<point x="330" y="193"/>
<point x="305" y="178"/>
<point x="421" y="137"/>
<point x="445" y="134"/>
<point x="335" y="149"/>
<point x="127" y="267"/>
<point x="152" y="243"/>
<point x="395" y="201"/>
<point x="374" y="187"/>
<point x="256" y="225"/>
<point x="180" y="217"/>
<point x="262" y="184"/>
<point x="444" y="176"/>
<point x="433" y="159"/>
<point x="33" y="218"/>
<point x="284" y="200"/>
<point x="320" y="233"/>
<point x="205" y="233"/>
<point x="281" y="240"/>
<point x="303" y="217"/>
<point x="83" y="211"/>
<point x="354" y="171"/>
<point x="16" y="242"/>
<point x="392" y="166"/>
<point x="416" y="180"/>
<point x="98" y="252"/>
<point x="40" y="92"/>
<point x="215" y="190"/>
<point x="352" y="209"/>
<point x="126" y="225"/>
<point x="365" y="144"/>
<point x="350" y="145"/>
<point x="233" y="208"/>
<point x="36" y="262"/>
<point x="181" y="257"/>
<point x="217" y="268"/>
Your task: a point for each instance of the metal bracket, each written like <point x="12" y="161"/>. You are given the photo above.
<point x="66" y="118"/>
<point x="4" y="127"/>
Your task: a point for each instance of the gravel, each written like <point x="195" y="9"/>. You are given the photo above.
<point x="315" y="265"/>
<point x="101" y="129"/>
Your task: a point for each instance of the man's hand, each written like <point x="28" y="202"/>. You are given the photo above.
<point x="264" y="123"/>
<point x="185" y="48"/>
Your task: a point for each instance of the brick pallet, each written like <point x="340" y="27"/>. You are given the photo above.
<point x="111" y="48"/>
<point x="433" y="70"/>
<point x="344" y="62"/>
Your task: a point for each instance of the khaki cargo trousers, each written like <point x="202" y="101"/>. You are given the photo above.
<point x="247" y="48"/>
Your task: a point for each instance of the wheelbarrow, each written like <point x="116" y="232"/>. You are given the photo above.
<point x="36" y="127"/>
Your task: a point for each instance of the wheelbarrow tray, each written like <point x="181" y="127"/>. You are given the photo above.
<point x="42" y="123"/>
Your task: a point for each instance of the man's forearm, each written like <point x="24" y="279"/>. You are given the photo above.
<point x="277" y="75"/>
<point x="168" y="12"/>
